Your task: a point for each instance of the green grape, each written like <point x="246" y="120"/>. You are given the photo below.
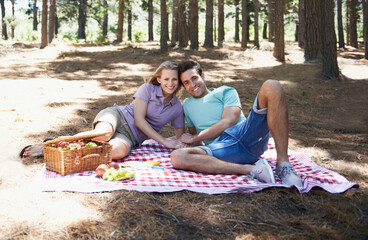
<point x="123" y="172"/>
<point x="108" y="171"/>
<point x="105" y="176"/>
<point x="130" y="174"/>
<point x="110" y="178"/>
<point x="114" y="174"/>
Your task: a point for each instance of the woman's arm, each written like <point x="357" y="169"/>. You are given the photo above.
<point x="140" y="110"/>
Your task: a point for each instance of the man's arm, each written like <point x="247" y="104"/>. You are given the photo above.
<point x="229" y="118"/>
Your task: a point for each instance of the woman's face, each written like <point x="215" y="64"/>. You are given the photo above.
<point x="169" y="81"/>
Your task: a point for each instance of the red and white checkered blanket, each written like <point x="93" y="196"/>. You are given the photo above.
<point x="167" y="179"/>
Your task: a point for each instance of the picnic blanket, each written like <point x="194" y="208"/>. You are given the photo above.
<point x="167" y="179"/>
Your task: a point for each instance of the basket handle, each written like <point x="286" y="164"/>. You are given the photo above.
<point x="74" y="138"/>
<point x="90" y="156"/>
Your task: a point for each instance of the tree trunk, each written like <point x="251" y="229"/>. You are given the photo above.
<point x="208" y="39"/>
<point x="365" y="27"/>
<point x="353" y="24"/>
<point x="52" y="16"/>
<point x="340" y="29"/>
<point x="182" y="25"/>
<point x="150" y="20"/>
<point x="82" y="19"/>
<point x="193" y="23"/>
<point x="264" y="32"/>
<point x="130" y="23"/>
<point x="312" y="48"/>
<point x="330" y="69"/>
<point x="105" y="22"/>
<point x="279" y="48"/>
<point x="175" y="23"/>
<point x="301" y="24"/>
<point x="221" y="23"/>
<point x="164" y="27"/>
<point x="256" y="30"/>
<point x="35" y="22"/>
<point x="44" y="40"/>
<point x="119" y="37"/>
<point x="236" y="38"/>
<point x="348" y="30"/>
<point x="3" y="24"/>
<point x="244" y="40"/>
<point x="271" y="20"/>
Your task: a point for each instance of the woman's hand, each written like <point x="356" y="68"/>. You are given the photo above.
<point x="174" y="144"/>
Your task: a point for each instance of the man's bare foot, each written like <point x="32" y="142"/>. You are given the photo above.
<point x="31" y="151"/>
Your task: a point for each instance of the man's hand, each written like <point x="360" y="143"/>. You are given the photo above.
<point x="174" y="144"/>
<point x="188" y="138"/>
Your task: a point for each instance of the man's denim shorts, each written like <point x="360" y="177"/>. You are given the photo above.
<point x="244" y="142"/>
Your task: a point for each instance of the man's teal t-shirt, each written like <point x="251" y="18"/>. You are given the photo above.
<point x="202" y="113"/>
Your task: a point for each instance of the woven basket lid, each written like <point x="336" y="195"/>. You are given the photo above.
<point x="74" y="138"/>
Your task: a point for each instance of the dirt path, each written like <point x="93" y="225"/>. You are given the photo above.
<point x="57" y="91"/>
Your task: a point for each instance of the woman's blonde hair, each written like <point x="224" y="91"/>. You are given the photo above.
<point x="165" y="65"/>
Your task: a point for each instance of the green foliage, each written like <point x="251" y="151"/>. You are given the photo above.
<point x="29" y="35"/>
<point x="139" y="35"/>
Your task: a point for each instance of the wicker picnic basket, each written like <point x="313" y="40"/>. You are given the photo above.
<point x="71" y="161"/>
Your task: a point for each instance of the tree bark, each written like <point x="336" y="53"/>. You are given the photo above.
<point x="244" y="40"/>
<point x="52" y="16"/>
<point x="193" y="24"/>
<point x="353" y="24"/>
<point x="208" y="39"/>
<point x="150" y="20"/>
<point x="3" y="24"/>
<point x="105" y="22"/>
<point x="221" y="23"/>
<point x="182" y="25"/>
<point x="365" y="28"/>
<point x="236" y="37"/>
<point x="339" y="24"/>
<point x="330" y="69"/>
<point x="279" y="47"/>
<point x="256" y="29"/>
<point x="164" y="27"/>
<point x="82" y="19"/>
<point x="312" y="49"/>
<point x="271" y="20"/>
<point x="264" y="32"/>
<point x="348" y="30"/>
<point x="119" y="37"/>
<point x="35" y="21"/>
<point x="175" y="23"/>
<point x="44" y="40"/>
<point x="130" y="23"/>
<point x="301" y="25"/>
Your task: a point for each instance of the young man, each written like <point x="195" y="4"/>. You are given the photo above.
<point x="233" y="143"/>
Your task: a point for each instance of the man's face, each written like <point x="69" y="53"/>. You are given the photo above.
<point x="194" y="83"/>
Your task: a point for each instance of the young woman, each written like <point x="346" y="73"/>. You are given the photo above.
<point x="154" y="105"/>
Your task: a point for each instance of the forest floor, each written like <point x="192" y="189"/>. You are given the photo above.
<point x="58" y="90"/>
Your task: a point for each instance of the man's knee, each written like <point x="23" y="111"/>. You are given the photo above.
<point x="178" y="158"/>
<point x="272" y="86"/>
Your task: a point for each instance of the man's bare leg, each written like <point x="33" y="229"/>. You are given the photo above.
<point x="197" y="160"/>
<point x="272" y="97"/>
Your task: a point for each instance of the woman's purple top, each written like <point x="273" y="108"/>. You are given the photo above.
<point x="158" y="114"/>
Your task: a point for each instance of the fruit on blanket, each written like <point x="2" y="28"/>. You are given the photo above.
<point x="101" y="169"/>
<point x="114" y="165"/>
<point x="113" y="174"/>
<point x="91" y="144"/>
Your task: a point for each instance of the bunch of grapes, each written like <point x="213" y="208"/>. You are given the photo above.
<point x="113" y="174"/>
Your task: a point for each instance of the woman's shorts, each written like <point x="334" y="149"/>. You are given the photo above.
<point x="244" y="142"/>
<point x="117" y="120"/>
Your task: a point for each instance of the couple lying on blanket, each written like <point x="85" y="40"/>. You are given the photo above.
<point x="223" y="140"/>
